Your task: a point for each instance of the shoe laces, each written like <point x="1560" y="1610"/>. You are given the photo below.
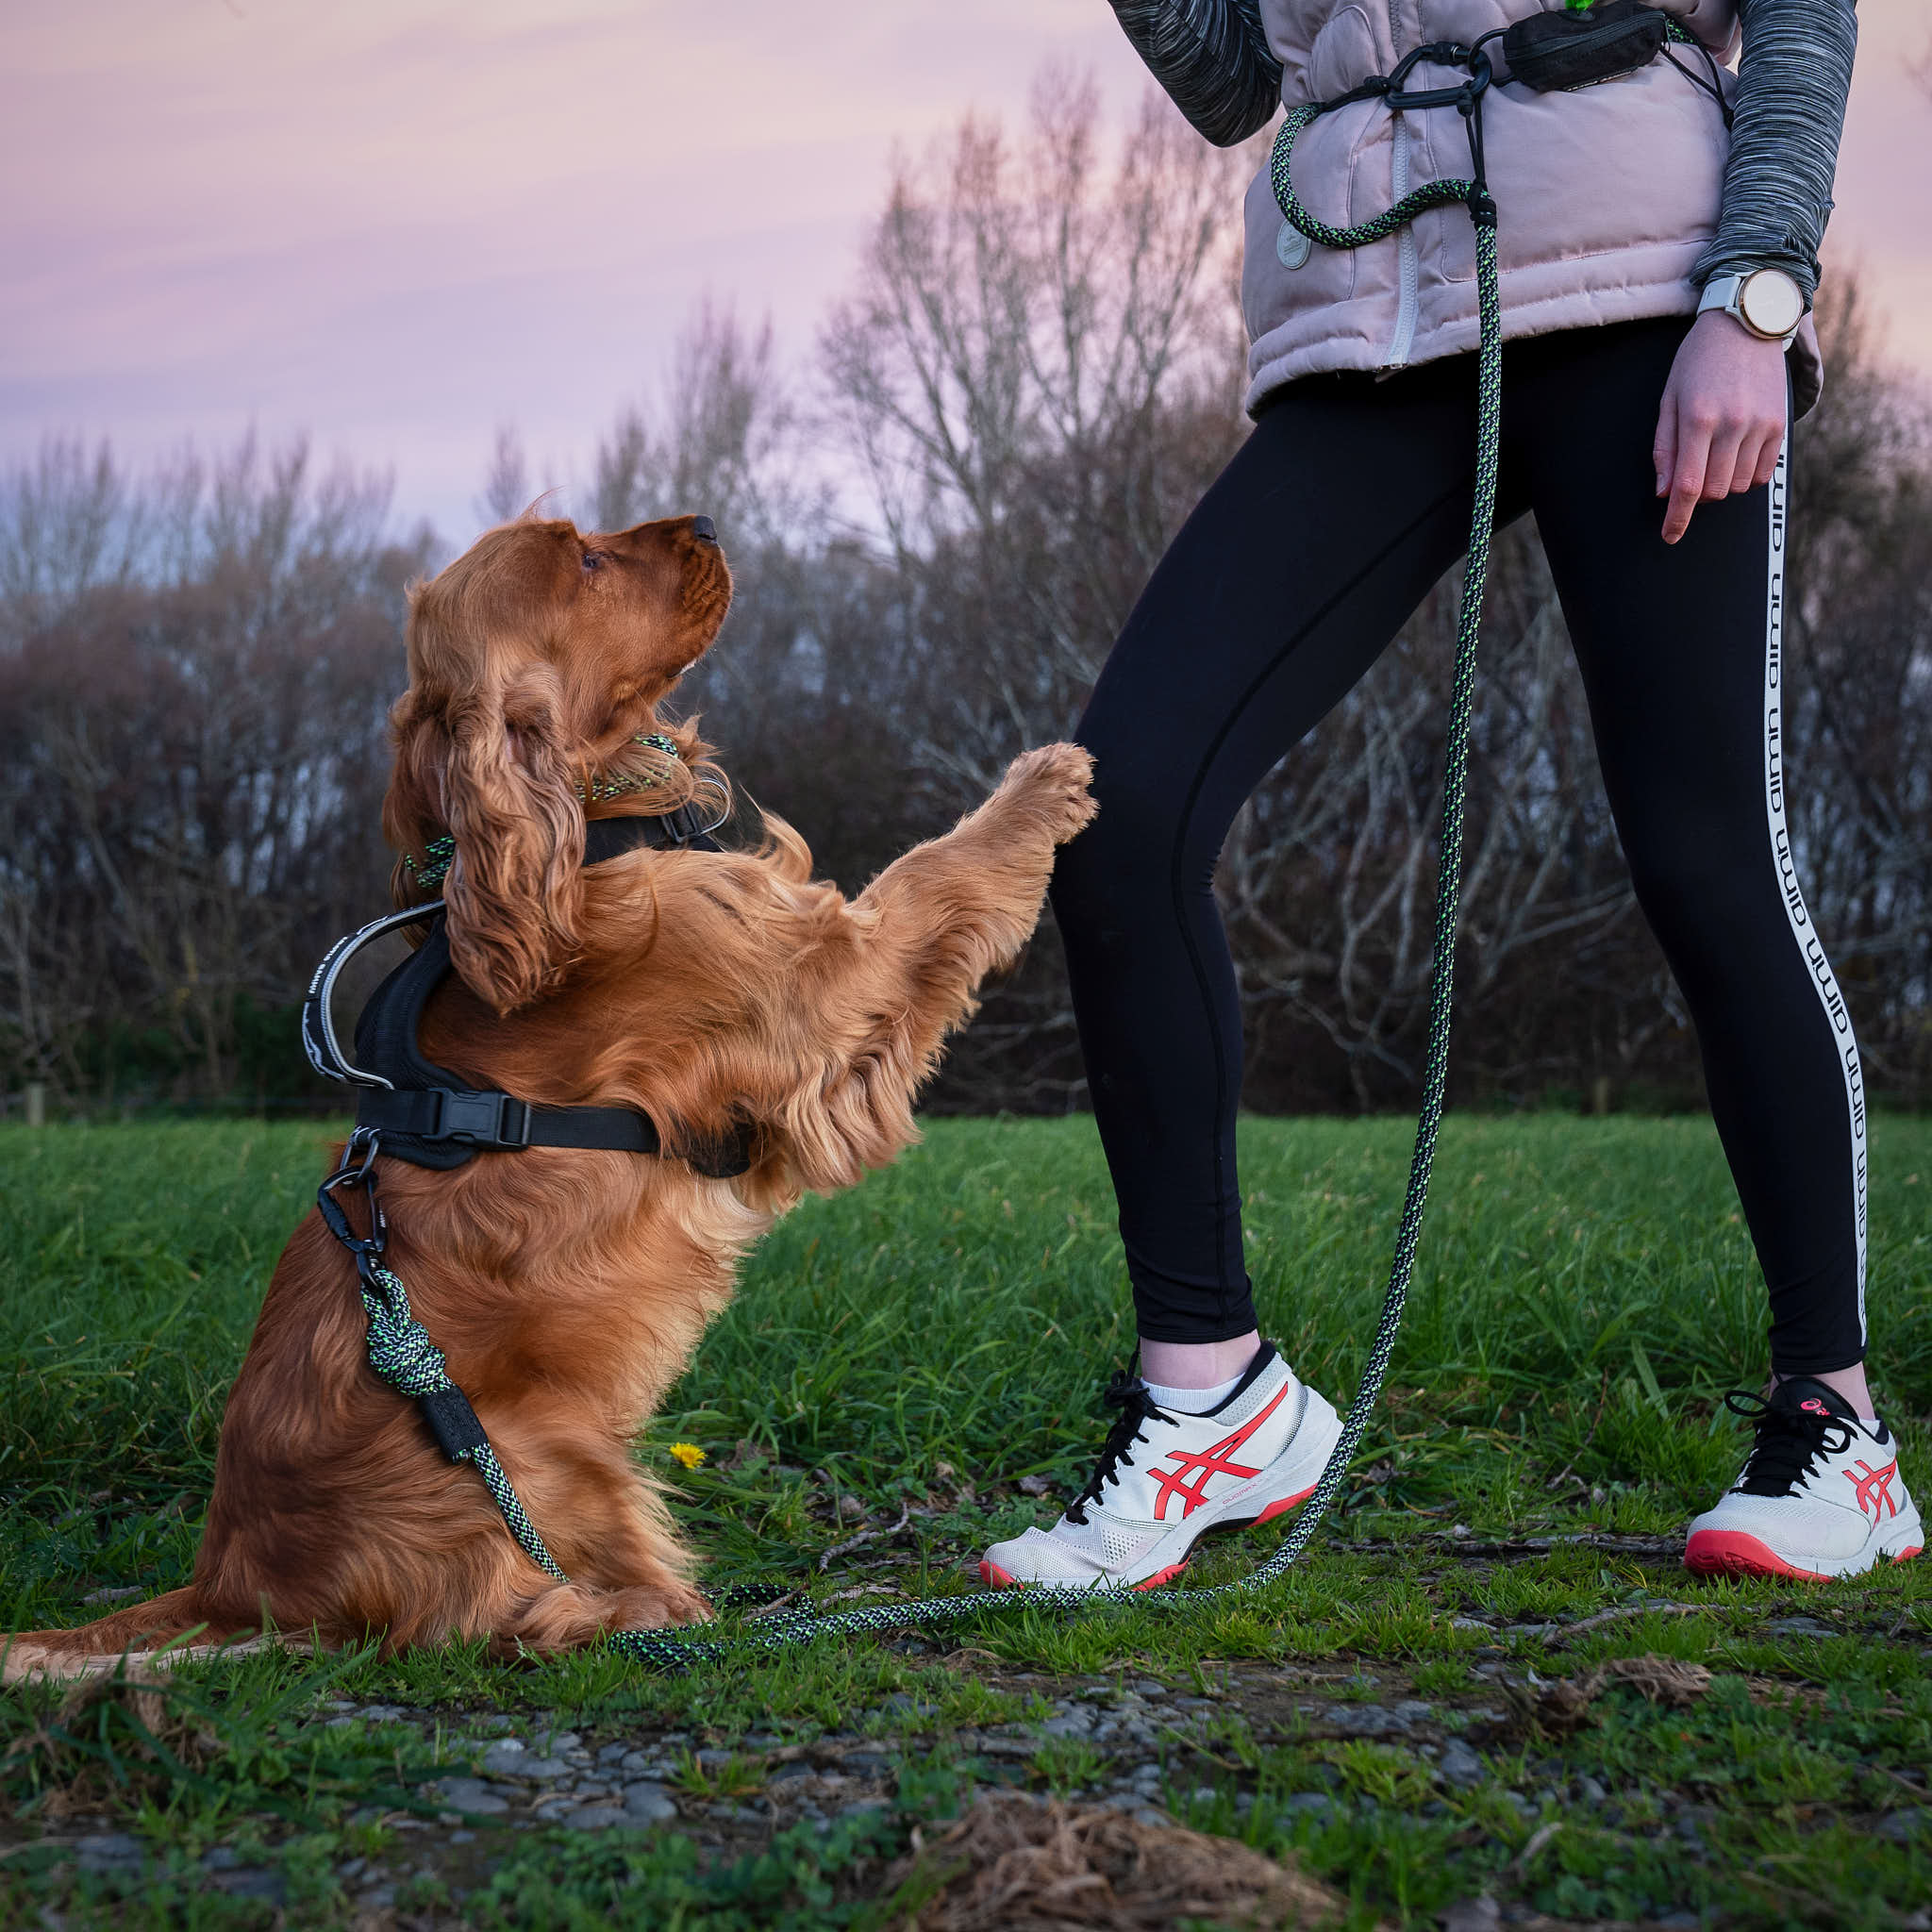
<point x="1789" y="1440"/>
<point x="1126" y="1393"/>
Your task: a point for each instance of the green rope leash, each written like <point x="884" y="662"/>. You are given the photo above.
<point x="671" y="1650"/>
<point x="402" y="1353"/>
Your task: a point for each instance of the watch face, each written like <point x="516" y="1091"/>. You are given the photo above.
<point x="1770" y="302"/>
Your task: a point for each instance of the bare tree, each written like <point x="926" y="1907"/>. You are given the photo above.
<point x="505" y="493"/>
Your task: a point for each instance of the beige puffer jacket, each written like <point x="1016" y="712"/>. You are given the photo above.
<point x="1606" y="197"/>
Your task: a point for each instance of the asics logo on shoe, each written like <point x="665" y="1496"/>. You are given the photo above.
<point x="1212" y="1461"/>
<point x="1874" y="1486"/>
<point x="1812" y="1404"/>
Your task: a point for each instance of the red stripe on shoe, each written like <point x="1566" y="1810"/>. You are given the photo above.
<point x="1161" y="1576"/>
<point x="991" y="1572"/>
<point x="1732" y="1553"/>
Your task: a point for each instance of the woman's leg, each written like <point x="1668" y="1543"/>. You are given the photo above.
<point x="1344" y="506"/>
<point x="1680" y="651"/>
<point x="1339" y="511"/>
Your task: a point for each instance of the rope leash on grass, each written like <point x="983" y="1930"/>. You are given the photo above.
<point x="666" y="1649"/>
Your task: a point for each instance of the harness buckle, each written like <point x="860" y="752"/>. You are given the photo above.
<point x="494" y="1120"/>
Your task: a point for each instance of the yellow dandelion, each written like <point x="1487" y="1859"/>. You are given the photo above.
<point x="687" y="1453"/>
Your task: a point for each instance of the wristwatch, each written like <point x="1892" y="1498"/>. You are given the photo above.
<point x="1767" y="301"/>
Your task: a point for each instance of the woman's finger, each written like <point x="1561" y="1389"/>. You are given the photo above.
<point x="1723" y="468"/>
<point x="1663" y="447"/>
<point x="1687" y="476"/>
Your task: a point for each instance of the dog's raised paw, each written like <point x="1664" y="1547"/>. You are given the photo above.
<point x="1056" y="777"/>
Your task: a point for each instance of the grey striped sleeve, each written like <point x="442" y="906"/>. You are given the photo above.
<point x="1211" y="57"/>
<point x="1793" y="75"/>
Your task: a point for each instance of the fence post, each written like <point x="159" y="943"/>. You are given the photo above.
<point x="37" y="1102"/>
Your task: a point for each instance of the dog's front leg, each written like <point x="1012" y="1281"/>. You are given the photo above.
<point x="877" y="994"/>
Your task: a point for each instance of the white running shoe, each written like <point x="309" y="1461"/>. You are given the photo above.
<point x="1820" y="1496"/>
<point x="1251" y="1457"/>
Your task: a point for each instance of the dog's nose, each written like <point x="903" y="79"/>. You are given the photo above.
<point x="704" y="529"/>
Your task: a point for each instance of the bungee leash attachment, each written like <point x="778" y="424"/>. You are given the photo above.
<point x="399" y="1347"/>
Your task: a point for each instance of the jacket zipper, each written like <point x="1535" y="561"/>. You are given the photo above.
<point x="1409" y="276"/>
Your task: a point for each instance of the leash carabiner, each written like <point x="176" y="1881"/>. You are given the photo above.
<point x="357" y="1171"/>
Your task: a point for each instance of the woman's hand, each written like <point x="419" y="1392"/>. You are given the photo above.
<point x="1723" y="419"/>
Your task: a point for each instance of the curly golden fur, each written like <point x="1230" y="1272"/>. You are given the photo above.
<point x="568" y="1289"/>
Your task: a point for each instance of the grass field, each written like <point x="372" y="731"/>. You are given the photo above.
<point x="921" y="1348"/>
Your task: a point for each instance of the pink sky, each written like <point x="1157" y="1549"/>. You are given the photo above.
<point x="396" y="224"/>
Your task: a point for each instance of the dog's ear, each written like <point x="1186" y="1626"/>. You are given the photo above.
<point x="515" y="888"/>
<point x="493" y="766"/>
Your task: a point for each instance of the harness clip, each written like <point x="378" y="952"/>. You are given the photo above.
<point x="496" y="1120"/>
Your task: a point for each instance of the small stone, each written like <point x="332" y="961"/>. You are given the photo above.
<point x="715" y="1761"/>
<point x="613" y="1754"/>
<point x="1472" y="1915"/>
<point x="648" y="1804"/>
<point x="383" y="1713"/>
<point x="253" y="1881"/>
<point x="222" y="1858"/>
<point x="1469" y="1624"/>
<point x="644" y="1764"/>
<point x="1903" y="1827"/>
<point x="764" y="1741"/>
<point x="1588" y="1790"/>
<point x="1799" y="1626"/>
<point x="524" y="1764"/>
<point x="1149" y="1686"/>
<point x="596" y="1818"/>
<point x="108" y="1850"/>
<point x="850" y="1509"/>
<point x="351" y="1869"/>
<point x="1460" y="1765"/>
<point x="461" y="1838"/>
<point x="560" y="1741"/>
<point x="790" y="1774"/>
<point x="1316" y="1805"/>
<point x="470" y="1795"/>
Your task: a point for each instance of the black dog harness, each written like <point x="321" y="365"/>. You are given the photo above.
<point x="417" y="1111"/>
<point x="425" y="1114"/>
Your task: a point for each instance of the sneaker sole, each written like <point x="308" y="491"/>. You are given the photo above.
<point x="991" y="1572"/>
<point x="1736" y="1553"/>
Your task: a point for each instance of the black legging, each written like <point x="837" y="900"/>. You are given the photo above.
<point x="1347" y="502"/>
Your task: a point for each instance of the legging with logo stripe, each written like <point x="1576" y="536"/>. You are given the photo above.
<point x="1347" y="502"/>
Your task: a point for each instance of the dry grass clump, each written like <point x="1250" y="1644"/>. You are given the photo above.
<point x="1557" y="1709"/>
<point x="111" y="1737"/>
<point x="1012" y="1865"/>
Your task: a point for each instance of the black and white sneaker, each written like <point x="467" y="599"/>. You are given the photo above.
<point x="1820" y="1496"/>
<point x="1252" y="1457"/>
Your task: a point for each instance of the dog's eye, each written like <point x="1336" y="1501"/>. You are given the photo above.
<point x="593" y="560"/>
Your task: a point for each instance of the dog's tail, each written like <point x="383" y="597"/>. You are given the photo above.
<point x="97" y="1646"/>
